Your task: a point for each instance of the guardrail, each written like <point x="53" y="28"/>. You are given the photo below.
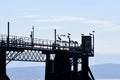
<point x="27" y="42"/>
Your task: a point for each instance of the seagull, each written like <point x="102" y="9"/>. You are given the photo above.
<point x="59" y="37"/>
<point x="90" y="34"/>
<point x="82" y="34"/>
<point x="69" y="34"/>
<point x="63" y="35"/>
<point x="93" y="31"/>
<point x="76" y="42"/>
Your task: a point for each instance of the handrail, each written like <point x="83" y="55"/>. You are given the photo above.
<point x="17" y="41"/>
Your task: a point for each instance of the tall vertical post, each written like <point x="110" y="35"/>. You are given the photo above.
<point x="69" y="42"/>
<point x="69" y="39"/>
<point x="8" y="34"/>
<point x="47" y="69"/>
<point x="93" y="42"/>
<point x="55" y="35"/>
<point x="33" y="33"/>
<point x="33" y="36"/>
<point x="55" y="39"/>
<point x="85" y="64"/>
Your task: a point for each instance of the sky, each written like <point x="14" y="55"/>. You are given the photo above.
<point x="67" y="16"/>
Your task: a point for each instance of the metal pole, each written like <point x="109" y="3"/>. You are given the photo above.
<point x="69" y="39"/>
<point x="93" y="41"/>
<point x="33" y="34"/>
<point x="32" y="37"/>
<point x="69" y="42"/>
<point x="8" y="34"/>
<point x="55" y="36"/>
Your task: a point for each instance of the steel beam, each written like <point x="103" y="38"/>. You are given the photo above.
<point x="3" y="75"/>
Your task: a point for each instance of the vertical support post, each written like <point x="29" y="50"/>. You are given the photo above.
<point x="85" y="69"/>
<point x="33" y="34"/>
<point x="93" y="42"/>
<point x="75" y="66"/>
<point x="3" y="75"/>
<point x="55" y="35"/>
<point x="62" y="65"/>
<point x="74" y="75"/>
<point x="69" y="43"/>
<point x="8" y="34"/>
<point x="2" y="64"/>
<point x="86" y="49"/>
<point x="32" y="37"/>
<point x="47" y="70"/>
<point x="69" y="39"/>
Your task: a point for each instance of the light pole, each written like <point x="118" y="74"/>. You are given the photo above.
<point x="8" y="34"/>
<point x="69" y="39"/>
<point x="33" y="33"/>
<point x="55" y="36"/>
<point x="32" y="37"/>
<point x="93" y="40"/>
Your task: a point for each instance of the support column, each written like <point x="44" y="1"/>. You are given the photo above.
<point x="74" y="75"/>
<point x="85" y="64"/>
<point x="47" y="69"/>
<point x="3" y="75"/>
<point x="75" y="65"/>
<point x="62" y="65"/>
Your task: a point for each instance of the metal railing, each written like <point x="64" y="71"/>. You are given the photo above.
<point x="27" y="42"/>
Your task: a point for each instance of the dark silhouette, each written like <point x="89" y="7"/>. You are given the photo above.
<point x="61" y="57"/>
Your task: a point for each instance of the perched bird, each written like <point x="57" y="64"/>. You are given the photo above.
<point x="82" y="34"/>
<point x="59" y="37"/>
<point x="63" y="35"/>
<point x="90" y="34"/>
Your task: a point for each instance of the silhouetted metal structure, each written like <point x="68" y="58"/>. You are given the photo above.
<point x="62" y="57"/>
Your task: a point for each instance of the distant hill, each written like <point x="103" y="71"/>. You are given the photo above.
<point x="106" y="70"/>
<point x="37" y="73"/>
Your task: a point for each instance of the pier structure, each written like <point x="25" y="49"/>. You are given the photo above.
<point x="65" y="60"/>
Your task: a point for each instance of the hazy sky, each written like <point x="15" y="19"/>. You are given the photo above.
<point x="73" y="16"/>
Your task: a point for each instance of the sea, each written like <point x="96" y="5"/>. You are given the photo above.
<point x="96" y="79"/>
<point x="107" y="79"/>
<point x="44" y="79"/>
